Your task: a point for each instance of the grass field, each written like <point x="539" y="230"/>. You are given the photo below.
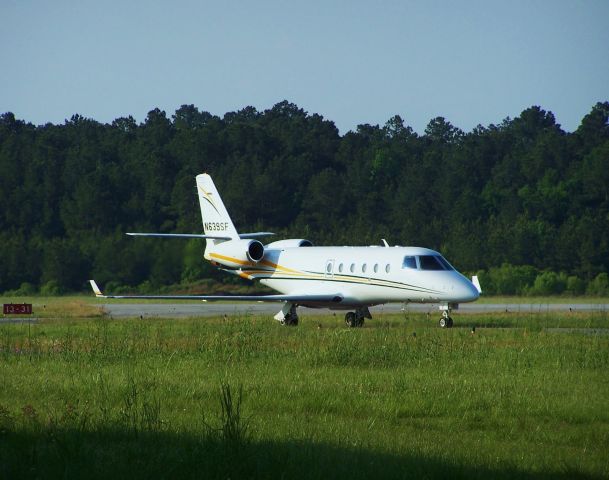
<point x="87" y="396"/>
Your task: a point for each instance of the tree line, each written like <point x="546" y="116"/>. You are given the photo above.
<point x="519" y="196"/>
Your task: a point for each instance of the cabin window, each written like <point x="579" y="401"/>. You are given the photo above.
<point x="376" y="268"/>
<point x="329" y="267"/>
<point x="352" y="268"/>
<point x="430" y="262"/>
<point x="340" y="268"/>
<point x="364" y="268"/>
<point x="410" y="261"/>
<point x="387" y="268"/>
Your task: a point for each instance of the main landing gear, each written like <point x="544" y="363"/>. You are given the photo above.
<point x="356" y="319"/>
<point x="445" y="320"/>
<point x="290" y="320"/>
<point x="287" y="315"/>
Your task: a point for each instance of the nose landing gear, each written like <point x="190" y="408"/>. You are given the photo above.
<point x="445" y="320"/>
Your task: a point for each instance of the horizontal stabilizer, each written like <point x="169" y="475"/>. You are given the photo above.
<point x="197" y="235"/>
<point x="476" y="283"/>
<point x="335" y="298"/>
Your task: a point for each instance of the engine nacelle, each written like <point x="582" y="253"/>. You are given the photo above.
<point x="290" y="243"/>
<point x="236" y="253"/>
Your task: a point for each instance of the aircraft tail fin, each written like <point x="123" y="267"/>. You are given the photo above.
<point x="216" y="221"/>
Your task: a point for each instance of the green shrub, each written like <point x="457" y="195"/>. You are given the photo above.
<point x="549" y="283"/>
<point x="25" y="290"/>
<point x="575" y="286"/>
<point x="112" y="287"/>
<point x="51" y="288"/>
<point x="511" y="279"/>
<point x="146" y="287"/>
<point x="599" y="286"/>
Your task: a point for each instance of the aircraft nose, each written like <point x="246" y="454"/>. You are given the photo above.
<point x="466" y="291"/>
<point x="470" y="292"/>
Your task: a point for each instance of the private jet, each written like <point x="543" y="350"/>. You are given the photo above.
<point x="338" y="278"/>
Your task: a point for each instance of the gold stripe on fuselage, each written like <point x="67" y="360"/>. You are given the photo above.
<point x="231" y="259"/>
<point x="265" y="274"/>
<point x="266" y="263"/>
<point x="257" y="273"/>
<point x="277" y="267"/>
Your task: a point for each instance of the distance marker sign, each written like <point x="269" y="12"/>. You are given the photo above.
<point x="17" y="309"/>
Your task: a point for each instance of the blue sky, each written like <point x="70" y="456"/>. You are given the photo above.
<point x="472" y="62"/>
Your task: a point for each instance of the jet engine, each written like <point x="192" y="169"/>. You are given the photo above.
<point x="236" y="253"/>
<point x="290" y="243"/>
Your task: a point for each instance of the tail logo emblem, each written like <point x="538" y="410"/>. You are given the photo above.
<point x="207" y="196"/>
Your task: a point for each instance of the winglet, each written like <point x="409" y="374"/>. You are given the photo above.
<point x="384" y="242"/>
<point x="96" y="290"/>
<point x="476" y="283"/>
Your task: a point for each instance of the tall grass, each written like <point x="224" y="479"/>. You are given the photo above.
<point x="244" y="397"/>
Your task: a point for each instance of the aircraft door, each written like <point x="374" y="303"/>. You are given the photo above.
<point x="329" y="271"/>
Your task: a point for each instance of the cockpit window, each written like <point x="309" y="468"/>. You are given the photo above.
<point x="431" y="262"/>
<point x="426" y="262"/>
<point x="409" y="262"/>
<point x="447" y="266"/>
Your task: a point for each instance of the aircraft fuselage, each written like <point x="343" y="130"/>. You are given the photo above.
<point x="362" y="275"/>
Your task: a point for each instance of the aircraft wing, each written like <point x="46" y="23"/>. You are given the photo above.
<point x="255" y="234"/>
<point x="314" y="298"/>
<point x="179" y="235"/>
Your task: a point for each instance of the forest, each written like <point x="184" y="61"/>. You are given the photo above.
<point x="523" y="203"/>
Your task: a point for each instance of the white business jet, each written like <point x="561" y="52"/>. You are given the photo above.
<point x="338" y="278"/>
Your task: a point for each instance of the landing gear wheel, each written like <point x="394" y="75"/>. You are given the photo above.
<point x="290" y="320"/>
<point x="352" y="320"/>
<point x="445" y="320"/>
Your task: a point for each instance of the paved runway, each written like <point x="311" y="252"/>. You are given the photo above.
<point x="207" y="309"/>
<point x="18" y="320"/>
